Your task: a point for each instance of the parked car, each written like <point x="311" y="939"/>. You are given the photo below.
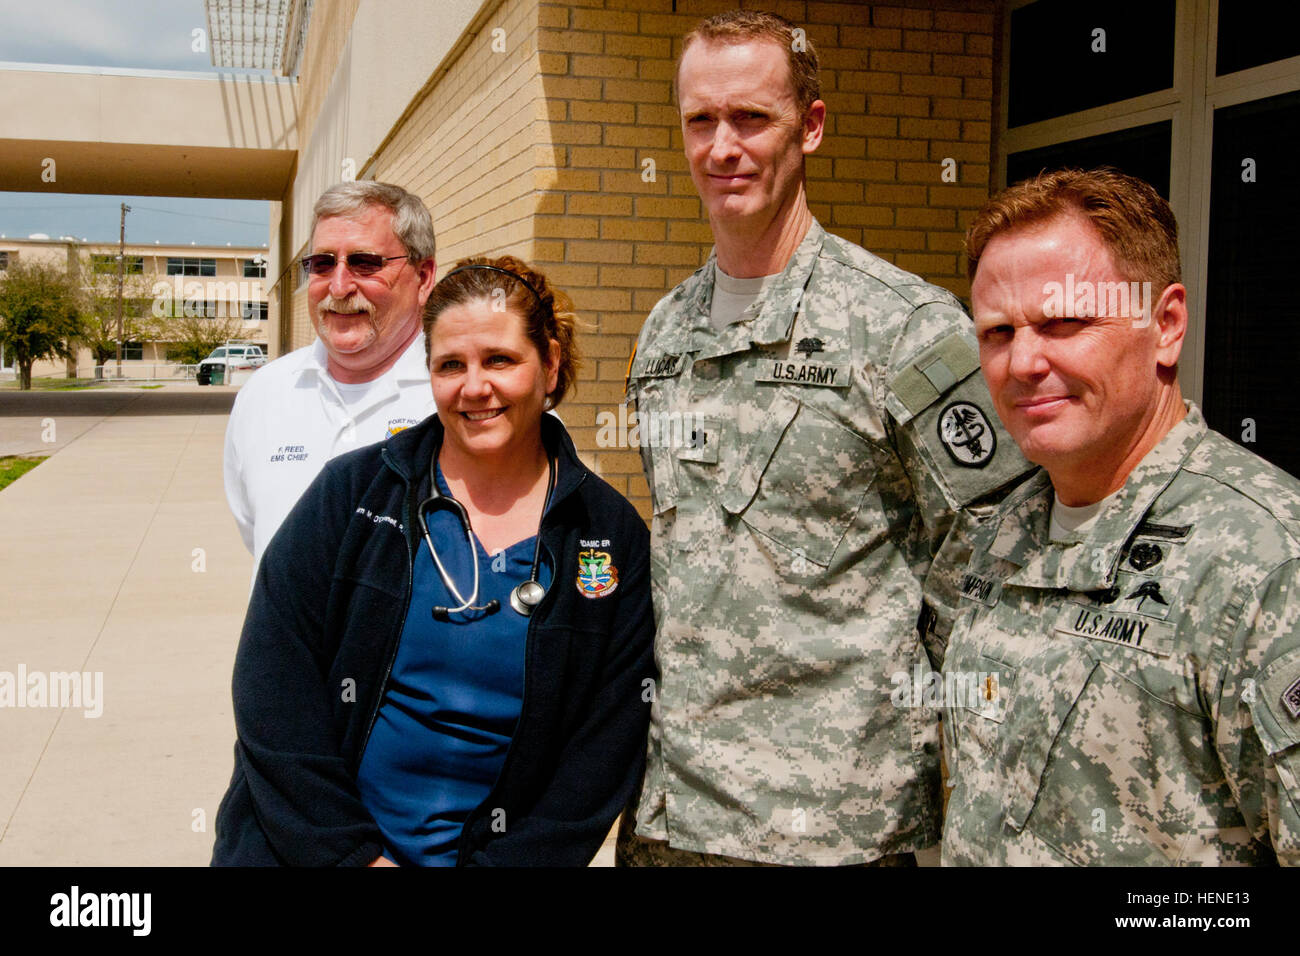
<point x="228" y="358"/>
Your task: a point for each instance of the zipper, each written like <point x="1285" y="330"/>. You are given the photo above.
<point x="395" y="641"/>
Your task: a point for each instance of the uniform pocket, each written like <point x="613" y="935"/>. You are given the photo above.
<point x="1035" y="715"/>
<point x="1088" y="743"/>
<point x="802" y="479"/>
<point x="655" y="448"/>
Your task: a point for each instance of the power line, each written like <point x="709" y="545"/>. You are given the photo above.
<point x="244" y="222"/>
<point x="169" y="212"/>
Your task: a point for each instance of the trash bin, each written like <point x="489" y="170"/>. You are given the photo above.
<point x="218" y="375"/>
<point x="203" y="376"/>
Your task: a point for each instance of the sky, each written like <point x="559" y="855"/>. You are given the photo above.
<point x="125" y="34"/>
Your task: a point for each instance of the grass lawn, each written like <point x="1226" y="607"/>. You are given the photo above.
<point x="50" y="384"/>
<point x="13" y="468"/>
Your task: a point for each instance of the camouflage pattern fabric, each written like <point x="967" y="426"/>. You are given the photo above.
<point x="1132" y="696"/>
<point x="804" y="465"/>
<point x="633" y="850"/>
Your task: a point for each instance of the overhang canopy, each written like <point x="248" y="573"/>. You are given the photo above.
<point x="257" y="34"/>
<point x="154" y="133"/>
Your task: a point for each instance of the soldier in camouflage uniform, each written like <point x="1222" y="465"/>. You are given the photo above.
<point x="1123" y="685"/>
<point x="805" y="456"/>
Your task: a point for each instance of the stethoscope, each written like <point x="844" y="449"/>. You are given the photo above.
<point x="525" y="597"/>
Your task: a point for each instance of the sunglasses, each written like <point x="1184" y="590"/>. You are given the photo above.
<point x="359" y="263"/>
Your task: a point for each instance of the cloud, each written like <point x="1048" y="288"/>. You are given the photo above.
<point x="141" y="34"/>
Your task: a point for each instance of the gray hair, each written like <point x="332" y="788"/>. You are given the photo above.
<point x="411" y="221"/>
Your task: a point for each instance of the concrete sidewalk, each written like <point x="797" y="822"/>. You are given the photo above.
<point x="120" y="559"/>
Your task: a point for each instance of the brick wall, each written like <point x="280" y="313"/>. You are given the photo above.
<point x="541" y="150"/>
<point x="472" y="146"/>
<point x="327" y="35"/>
<point x="905" y="88"/>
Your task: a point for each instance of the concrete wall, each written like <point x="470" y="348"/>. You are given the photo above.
<point x="99" y="130"/>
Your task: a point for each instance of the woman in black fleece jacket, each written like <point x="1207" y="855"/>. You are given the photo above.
<point x="333" y="595"/>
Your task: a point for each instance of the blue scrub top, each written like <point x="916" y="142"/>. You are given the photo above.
<point x="452" y="700"/>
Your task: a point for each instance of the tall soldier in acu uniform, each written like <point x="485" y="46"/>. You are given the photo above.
<point x="1132" y="624"/>
<point x="811" y="420"/>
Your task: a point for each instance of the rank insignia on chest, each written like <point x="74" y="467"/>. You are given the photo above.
<point x="967" y="435"/>
<point x="597" y="575"/>
<point x="808" y="346"/>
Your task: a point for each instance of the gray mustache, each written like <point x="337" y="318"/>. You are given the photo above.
<point x="356" y="302"/>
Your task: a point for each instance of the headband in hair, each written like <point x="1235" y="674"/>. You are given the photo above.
<point x="505" y="272"/>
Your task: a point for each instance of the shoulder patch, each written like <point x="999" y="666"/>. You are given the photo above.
<point x="967" y="435"/>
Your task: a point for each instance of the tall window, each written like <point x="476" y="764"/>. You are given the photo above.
<point x="4" y="261"/>
<point x="1201" y="98"/>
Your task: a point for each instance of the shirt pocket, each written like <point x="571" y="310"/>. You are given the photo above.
<point x="1103" y="755"/>
<point x="1033" y="723"/>
<point x="655" y="444"/>
<point x="801" y="479"/>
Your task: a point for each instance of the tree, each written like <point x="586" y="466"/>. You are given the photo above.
<point x="191" y="338"/>
<point x="99" y="279"/>
<point x="40" y="314"/>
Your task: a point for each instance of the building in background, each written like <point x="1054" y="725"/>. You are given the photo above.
<point x="165" y="288"/>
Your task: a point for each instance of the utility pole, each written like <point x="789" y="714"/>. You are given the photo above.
<point x="121" y="271"/>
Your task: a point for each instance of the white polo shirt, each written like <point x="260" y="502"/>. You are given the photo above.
<point x="291" y="417"/>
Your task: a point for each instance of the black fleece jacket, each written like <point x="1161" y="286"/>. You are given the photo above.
<point x="322" y="630"/>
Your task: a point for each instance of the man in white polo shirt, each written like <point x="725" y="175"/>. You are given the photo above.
<point x="370" y="270"/>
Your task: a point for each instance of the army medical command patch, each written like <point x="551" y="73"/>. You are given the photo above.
<point x="967" y="435"/>
<point x="597" y="577"/>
